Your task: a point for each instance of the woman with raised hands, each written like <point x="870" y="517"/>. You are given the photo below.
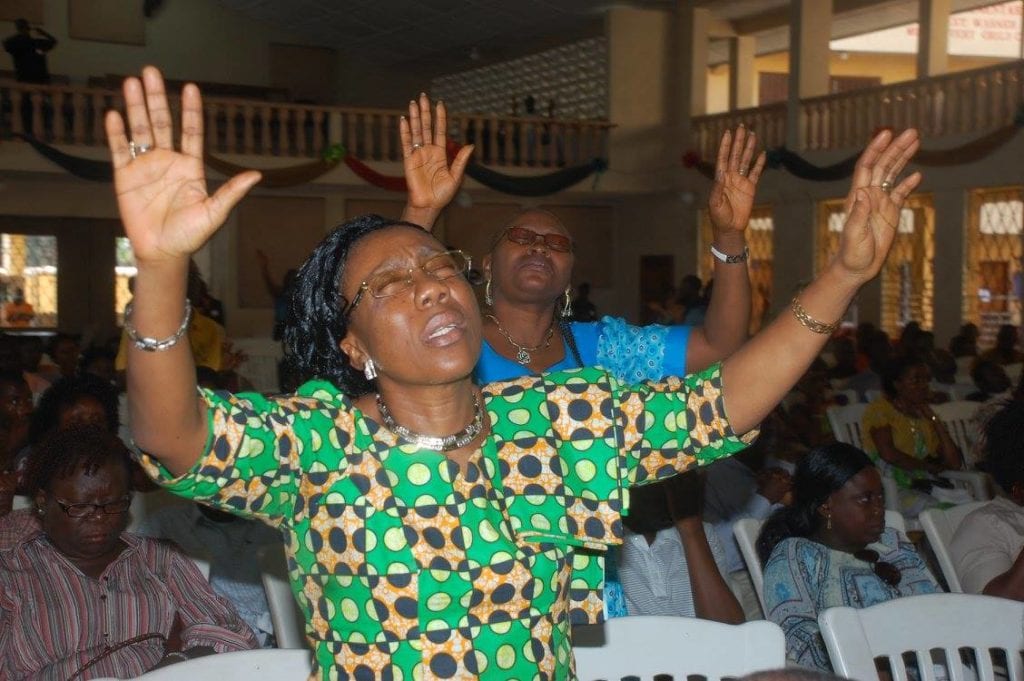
<point x="528" y="272"/>
<point x="431" y="526"/>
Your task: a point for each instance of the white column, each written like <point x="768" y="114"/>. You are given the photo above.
<point x="741" y="71"/>
<point x="810" y="28"/>
<point x="933" y="38"/>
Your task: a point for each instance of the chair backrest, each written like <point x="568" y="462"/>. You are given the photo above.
<point x="642" y="647"/>
<point x="957" y="418"/>
<point x="921" y="625"/>
<point x="264" y="663"/>
<point x="288" y="621"/>
<point x="845" y="423"/>
<point x="746" y="530"/>
<point x="146" y="503"/>
<point x="939" y="526"/>
<point x="21" y="501"/>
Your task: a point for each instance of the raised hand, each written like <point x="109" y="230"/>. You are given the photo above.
<point x="161" y="193"/>
<point x="431" y="181"/>
<point x="875" y="203"/>
<point x="732" y="196"/>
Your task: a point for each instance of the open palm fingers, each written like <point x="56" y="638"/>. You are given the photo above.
<point x="895" y="157"/>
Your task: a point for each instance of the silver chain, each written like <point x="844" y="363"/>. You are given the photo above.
<point x="436" y="443"/>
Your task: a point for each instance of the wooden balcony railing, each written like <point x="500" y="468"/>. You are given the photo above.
<point x="960" y="103"/>
<point x="61" y="114"/>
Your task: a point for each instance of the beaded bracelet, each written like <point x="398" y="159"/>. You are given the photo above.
<point x="156" y="344"/>
<point x="810" y="322"/>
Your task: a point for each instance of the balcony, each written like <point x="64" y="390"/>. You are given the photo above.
<point x="63" y="114"/>
<point x="963" y="103"/>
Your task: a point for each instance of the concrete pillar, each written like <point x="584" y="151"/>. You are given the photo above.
<point x="741" y="71"/>
<point x="810" y="28"/>
<point x="948" y="291"/>
<point x="933" y="37"/>
<point x="692" y="28"/>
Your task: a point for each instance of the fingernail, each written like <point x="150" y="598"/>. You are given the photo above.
<point x="423" y="94"/>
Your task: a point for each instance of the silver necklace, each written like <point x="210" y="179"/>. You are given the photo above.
<point x="436" y="443"/>
<point x="522" y="352"/>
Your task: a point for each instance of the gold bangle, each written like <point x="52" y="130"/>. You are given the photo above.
<point x="810" y="322"/>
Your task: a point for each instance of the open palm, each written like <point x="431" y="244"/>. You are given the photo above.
<point x="874" y="211"/>
<point x="432" y="183"/>
<point x="732" y="197"/>
<point x="161" y="193"/>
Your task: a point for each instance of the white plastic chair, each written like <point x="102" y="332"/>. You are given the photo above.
<point x="146" y="503"/>
<point x="641" y="647"/>
<point x="746" y="531"/>
<point x="288" y="621"/>
<point x="957" y="418"/>
<point x="265" y="663"/>
<point x="940" y="526"/>
<point x="21" y="501"/>
<point x="845" y="423"/>
<point x="919" y="625"/>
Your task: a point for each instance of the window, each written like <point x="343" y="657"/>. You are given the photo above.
<point x="992" y="268"/>
<point x="124" y="270"/>
<point x="28" y="280"/>
<point x="760" y="234"/>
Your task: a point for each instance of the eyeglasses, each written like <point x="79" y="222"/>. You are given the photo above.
<point x="885" y="571"/>
<point x="528" y="237"/>
<point x="86" y="510"/>
<point x="392" y="282"/>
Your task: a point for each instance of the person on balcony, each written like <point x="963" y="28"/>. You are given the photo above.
<point x="29" y="54"/>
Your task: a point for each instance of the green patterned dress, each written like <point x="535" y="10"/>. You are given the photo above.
<point x="407" y="567"/>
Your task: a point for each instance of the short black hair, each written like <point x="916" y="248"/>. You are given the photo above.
<point x="318" y="312"/>
<point x="896" y="368"/>
<point x="1004" y="445"/>
<point x="62" y="452"/>
<point x="66" y="392"/>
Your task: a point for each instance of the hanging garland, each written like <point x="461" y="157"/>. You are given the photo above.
<point x="541" y="185"/>
<point x="783" y="158"/>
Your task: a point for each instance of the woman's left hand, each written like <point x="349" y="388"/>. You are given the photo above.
<point x="432" y="183"/>
<point x="874" y="212"/>
<point x="732" y="196"/>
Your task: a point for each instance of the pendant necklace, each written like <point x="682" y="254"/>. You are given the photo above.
<point x="523" y="355"/>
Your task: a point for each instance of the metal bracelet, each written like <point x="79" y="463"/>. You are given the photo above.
<point x="156" y="344"/>
<point x="810" y="322"/>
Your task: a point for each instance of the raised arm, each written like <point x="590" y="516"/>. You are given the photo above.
<point x="431" y="180"/>
<point x="760" y="373"/>
<point x="729" y="206"/>
<point x="168" y="216"/>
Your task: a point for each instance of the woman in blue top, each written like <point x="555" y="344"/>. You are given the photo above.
<point x="529" y="273"/>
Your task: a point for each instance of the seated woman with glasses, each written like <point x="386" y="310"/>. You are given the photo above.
<point x="79" y="597"/>
<point x="831" y="548"/>
<point x="905" y="438"/>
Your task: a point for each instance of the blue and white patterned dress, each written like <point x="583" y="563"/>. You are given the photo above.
<point x="803" y="578"/>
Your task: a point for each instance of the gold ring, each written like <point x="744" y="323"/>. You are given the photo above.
<point x="886" y="186"/>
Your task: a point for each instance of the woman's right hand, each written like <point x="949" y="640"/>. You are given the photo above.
<point x="431" y="181"/>
<point x="161" y="194"/>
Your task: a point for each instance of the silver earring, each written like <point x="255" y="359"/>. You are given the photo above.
<point x="487" y="293"/>
<point x="370" y="370"/>
<point x="39" y="510"/>
<point x="567" y="308"/>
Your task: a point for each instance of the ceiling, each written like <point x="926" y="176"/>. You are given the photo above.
<point x="435" y="34"/>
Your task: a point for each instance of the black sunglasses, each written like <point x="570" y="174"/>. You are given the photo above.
<point x="887" y="572"/>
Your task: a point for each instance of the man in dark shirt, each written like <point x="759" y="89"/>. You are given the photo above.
<point x="29" y="54"/>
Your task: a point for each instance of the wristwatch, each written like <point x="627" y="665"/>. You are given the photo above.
<point x="731" y="259"/>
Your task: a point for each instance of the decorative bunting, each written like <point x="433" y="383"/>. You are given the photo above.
<point x="783" y="158"/>
<point x="538" y="185"/>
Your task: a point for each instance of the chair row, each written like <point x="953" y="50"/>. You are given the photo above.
<point x="915" y="637"/>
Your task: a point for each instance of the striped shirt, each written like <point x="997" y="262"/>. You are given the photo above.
<point x="54" y="619"/>
<point x="656" y="577"/>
